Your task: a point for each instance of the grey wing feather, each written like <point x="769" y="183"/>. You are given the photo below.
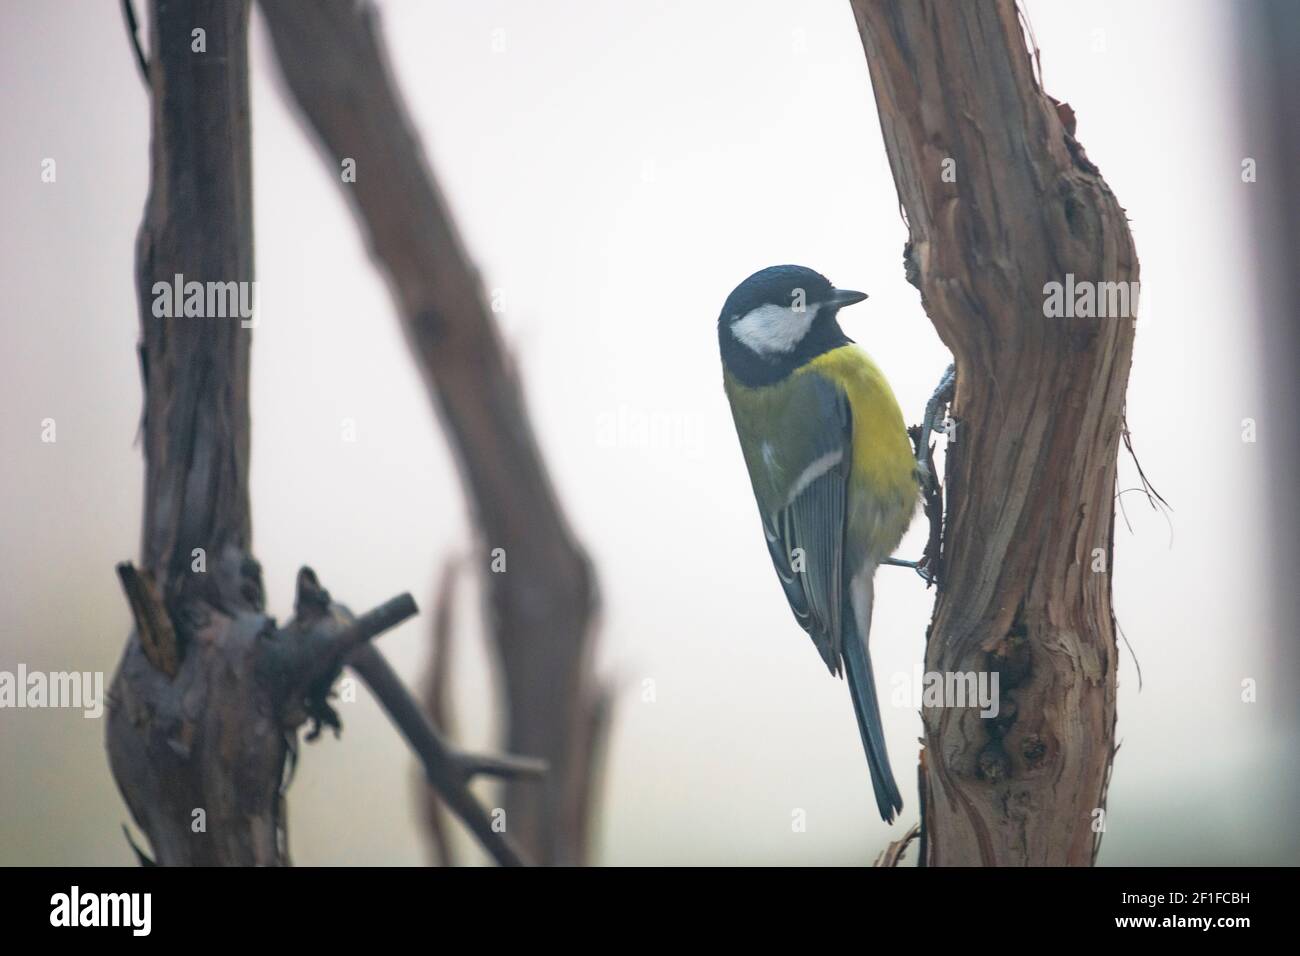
<point x="806" y="537"/>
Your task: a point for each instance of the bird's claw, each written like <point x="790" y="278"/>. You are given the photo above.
<point x="920" y="567"/>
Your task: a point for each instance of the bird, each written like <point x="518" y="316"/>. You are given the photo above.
<point x="832" y="469"/>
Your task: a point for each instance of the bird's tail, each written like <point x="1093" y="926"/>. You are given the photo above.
<point x="862" y="686"/>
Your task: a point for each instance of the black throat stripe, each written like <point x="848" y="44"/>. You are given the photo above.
<point x="754" y="370"/>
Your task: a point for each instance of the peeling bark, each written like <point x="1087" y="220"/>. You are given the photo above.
<point x="198" y="757"/>
<point x="206" y="704"/>
<point x="1039" y="404"/>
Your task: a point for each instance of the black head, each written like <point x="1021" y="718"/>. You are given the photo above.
<point x="778" y="319"/>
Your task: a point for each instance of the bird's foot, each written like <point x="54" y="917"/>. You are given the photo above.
<point x="936" y="418"/>
<point x="920" y="567"/>
<point x="936" y="413"/>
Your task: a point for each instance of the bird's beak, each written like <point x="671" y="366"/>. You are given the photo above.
<point x="842" y="297"/>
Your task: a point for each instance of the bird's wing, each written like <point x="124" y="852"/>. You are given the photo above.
<point x="801" y="483"/>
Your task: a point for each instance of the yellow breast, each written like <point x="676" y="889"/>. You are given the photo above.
<point x="882" y="452"/>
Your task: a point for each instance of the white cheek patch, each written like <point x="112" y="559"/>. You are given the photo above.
<point x="773" y="329"/>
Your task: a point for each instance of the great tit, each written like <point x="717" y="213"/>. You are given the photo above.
<point x="831" y="465"/>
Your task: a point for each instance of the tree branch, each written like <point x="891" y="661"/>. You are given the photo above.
<point x="210" y="690"/>
<point x="133" y="34"/>
<point x="1001" y="201"/>
<point x="447" y="771"/>
<point x="438" y="704"/>
<point x="334" y="63"/>
<point x="346" y="644"/>
<point x="312" y="643"/>
<point x="892" y="855"/>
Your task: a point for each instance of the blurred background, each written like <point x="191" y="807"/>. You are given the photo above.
<point x="616" y="169"/>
